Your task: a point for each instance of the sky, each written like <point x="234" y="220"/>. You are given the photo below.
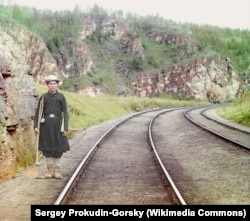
<point x="222" y="13"/>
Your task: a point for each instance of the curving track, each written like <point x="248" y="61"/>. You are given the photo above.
<point x="140" y="160"/>
<point x="121" y="169"/>
<point x="206" y="119"/>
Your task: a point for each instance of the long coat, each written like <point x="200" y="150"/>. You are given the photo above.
<point x="55" y="113"/>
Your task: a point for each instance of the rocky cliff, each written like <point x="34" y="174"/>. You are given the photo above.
<point x="24" y="59"/>
<point x="199" y="76"/>
<point x="203" y="79"/>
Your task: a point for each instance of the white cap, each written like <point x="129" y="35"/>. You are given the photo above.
<point x="51" y="78"/>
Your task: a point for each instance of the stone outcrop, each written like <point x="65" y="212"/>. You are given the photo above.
<point x="206" y="79"/>
<point x="24" y="59"/>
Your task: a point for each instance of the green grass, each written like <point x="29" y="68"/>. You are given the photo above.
<point x="238" y="111"/>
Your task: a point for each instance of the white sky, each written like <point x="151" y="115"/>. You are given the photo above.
<point x="223" y="13"/>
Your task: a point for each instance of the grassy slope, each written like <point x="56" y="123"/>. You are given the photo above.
<point x="238" y="112"/>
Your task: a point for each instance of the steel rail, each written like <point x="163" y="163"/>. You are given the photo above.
<point x="229" y="125"/>
<point x="188" y="117"/>
<point x="176" y="191"/>
<point x="68" y="187"/>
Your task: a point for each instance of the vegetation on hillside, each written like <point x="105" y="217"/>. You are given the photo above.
<point x="232" y="43"/>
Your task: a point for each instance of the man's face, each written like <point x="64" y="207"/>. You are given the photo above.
<point x="52" y="85"/>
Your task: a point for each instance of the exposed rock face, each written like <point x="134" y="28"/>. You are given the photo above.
<point x="210" y="78"/>
<point x="113" y="28"/>
<point x="17" y="106"/>
<point x="207" y="79"/>
<point x="23" y="58"/>
<point x="90" y="90"/>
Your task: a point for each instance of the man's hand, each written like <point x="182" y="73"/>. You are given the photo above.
<point x="37" y="131"/>
<point x="64" y="133"/>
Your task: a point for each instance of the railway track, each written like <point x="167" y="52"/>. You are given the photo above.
<point x="133" y="169"/>
<point x="229" y="131"/>
<point x="134" y="162"/>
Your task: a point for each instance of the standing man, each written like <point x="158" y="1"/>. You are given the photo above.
<point x="53" y="127"/>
